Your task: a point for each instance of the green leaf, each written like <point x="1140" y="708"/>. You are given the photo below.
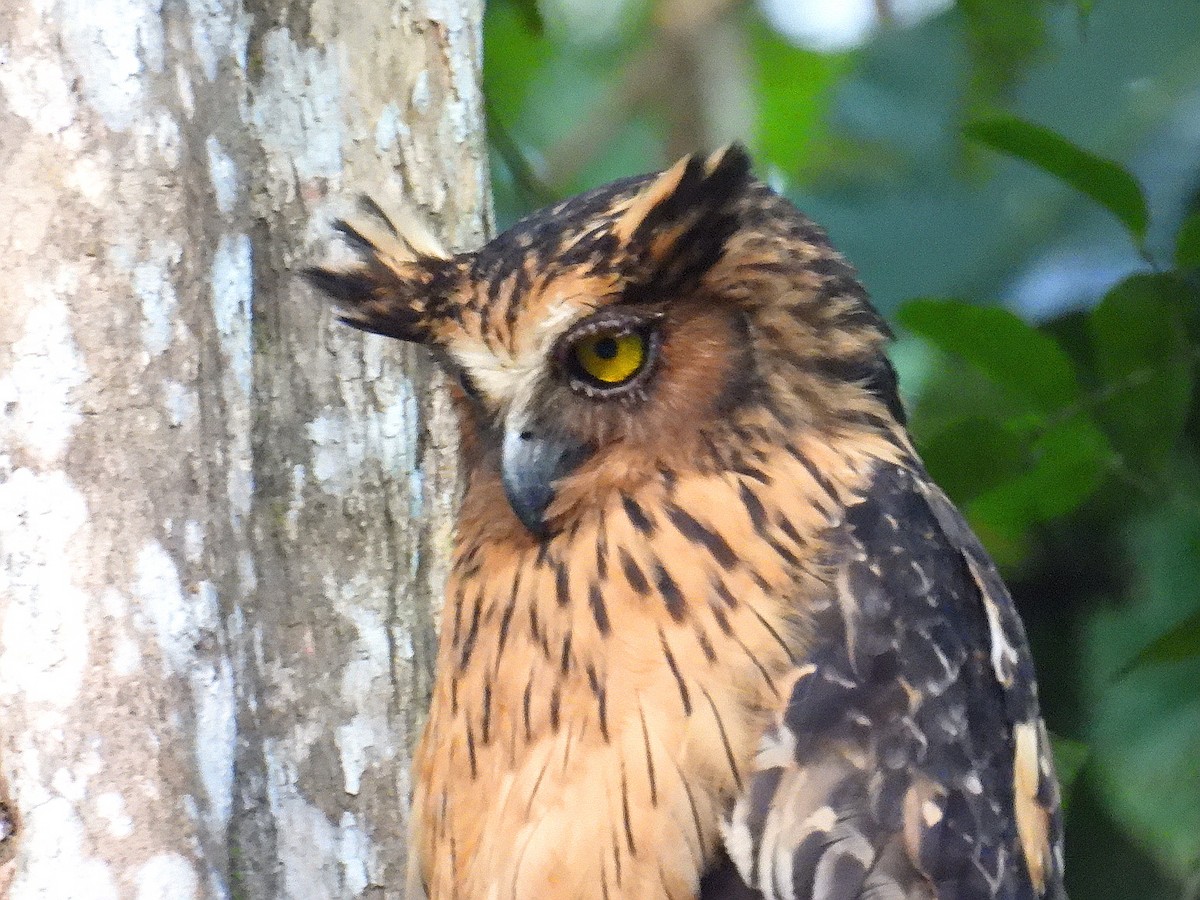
<point x="1009" y="480"/>
<point x="1179" y="643"/>
<point x="1142" y="356"/>
<point x="1038" y="454"/>
<point x="1071" y="459"/>
<point x="1003" y="41"/>
<point x="530" y="14"/>
<point x="972" y="456"/>
<point x="1144" y="729"/>
<point x="1068" y="463"/>
<point x="794" y="90"/>
<point x="1103" y="180"/>
<point x="1187" y="245"/>
<point x="1028" y="365"/>
<point x="1069" y="759"/>
<point x="513" y="56"/>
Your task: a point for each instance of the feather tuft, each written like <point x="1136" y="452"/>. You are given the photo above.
<point x="400" y="282"/>
<point x="676" y="228"/>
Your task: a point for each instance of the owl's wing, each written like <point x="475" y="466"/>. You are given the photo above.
<point x="911" y="760"/>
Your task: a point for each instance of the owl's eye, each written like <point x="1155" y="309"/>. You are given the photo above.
<point x="610" y="358"/>
<point x="610" y="354"/>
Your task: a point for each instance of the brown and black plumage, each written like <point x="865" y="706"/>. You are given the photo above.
<point x="711" y="631"/>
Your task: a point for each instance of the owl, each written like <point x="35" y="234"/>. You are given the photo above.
<point x="710" y="631"/>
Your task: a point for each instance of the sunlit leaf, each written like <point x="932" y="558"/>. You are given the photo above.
<point x="1187" y="245"/>
<point x="1027" y="364"/>
<point x="794" y="90"/>
<point x="530" y="14"/>
<point x="1141" y="355"/>
<point x="1103" y="180"/>
<point x="513" y="56"/>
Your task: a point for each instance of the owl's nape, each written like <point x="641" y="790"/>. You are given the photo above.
<point x="710" y="630"/>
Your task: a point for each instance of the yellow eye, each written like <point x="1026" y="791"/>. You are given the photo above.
<point x="610" y="358"/>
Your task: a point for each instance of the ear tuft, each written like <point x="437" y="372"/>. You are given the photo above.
<point x="400" y="280"/>
<point x="407" y="226"/>
<point x="676" y="228"/>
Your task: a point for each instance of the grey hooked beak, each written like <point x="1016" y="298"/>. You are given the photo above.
<point x="531" y="462"/>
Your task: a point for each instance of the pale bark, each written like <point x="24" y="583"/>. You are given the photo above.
<point x="223" y="518"/>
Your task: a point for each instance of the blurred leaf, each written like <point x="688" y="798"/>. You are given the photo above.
<point x="1072" y="332"/>
<point x="1069" y="461"/>
<point x="1187" y="245"/>
<point x="513" y="56"/>
<point x="1179" y="643"/>
<point x="1027" y="364"/>
<point x="794" y="92"/>
<point x="1141" y="355"/>
<point x="1069" y="759"/>
<point x="1017" y="470"/>
<point x="1144" y="729"/>
<point x="1003" y="39"/>
<point x="529" y="12"/>
<point x="954" y="389"/>
<point x="1104" y="181"/>
<point x="972" y="456"/>
<point x="526" y="182"/>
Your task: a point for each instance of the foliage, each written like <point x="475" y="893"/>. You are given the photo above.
<point x="979" y="161"/>
<point x="794" y="88"/>
<point x="1101" y="179"/>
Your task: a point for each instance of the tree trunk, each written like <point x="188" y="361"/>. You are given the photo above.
<point x="224" y="519"/>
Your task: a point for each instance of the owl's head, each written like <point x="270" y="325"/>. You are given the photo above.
<point x="654" y="325"/>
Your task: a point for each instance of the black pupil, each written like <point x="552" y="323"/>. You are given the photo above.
<point x="605" y="348"/>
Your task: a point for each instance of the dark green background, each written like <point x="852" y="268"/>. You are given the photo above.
<point x="1046" y="299"/>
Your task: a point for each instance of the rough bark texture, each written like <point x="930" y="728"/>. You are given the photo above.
<point x="223" y="518"/>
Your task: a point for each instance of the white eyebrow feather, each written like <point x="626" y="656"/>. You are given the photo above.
<point x="509" y="381"/>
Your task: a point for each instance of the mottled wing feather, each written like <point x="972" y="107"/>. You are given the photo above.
<point x="911" y="761"/>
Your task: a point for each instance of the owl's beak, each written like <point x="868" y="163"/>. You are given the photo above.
<point x="531" y="462"/>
